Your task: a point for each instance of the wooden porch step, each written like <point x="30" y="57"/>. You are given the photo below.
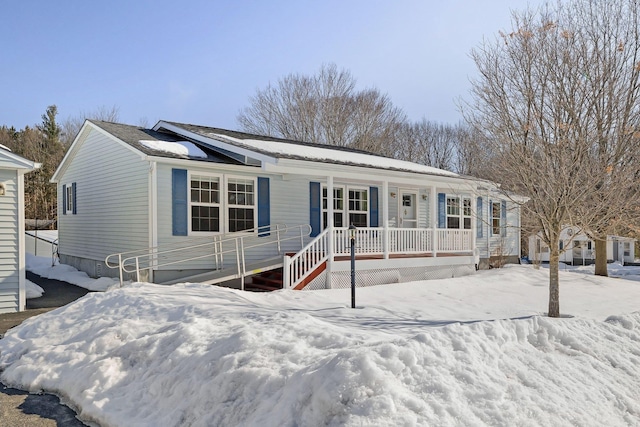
<point x="254" y="287"/>
<point x="266" y="281"/>
<point x="261" y="280"/>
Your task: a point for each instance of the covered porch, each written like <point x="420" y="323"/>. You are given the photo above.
<point x="399" y="224"/>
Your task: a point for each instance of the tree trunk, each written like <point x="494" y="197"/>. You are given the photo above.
<point x="601" y="258"/>
<point x="554" y="282"/>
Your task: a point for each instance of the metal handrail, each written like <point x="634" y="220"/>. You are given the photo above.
<point x="54" y="252"/>
<point x="130" y="262"/>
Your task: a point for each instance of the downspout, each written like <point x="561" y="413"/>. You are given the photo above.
<point x="434" y="220"/>
<point x="489" y="229"/>
<point x="22" y="285"/>
<point x="329" y="225"/>
<point x="153" y="212"/>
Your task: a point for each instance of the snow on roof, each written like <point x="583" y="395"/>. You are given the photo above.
<point x="335" y="156"/>
<point x="181" y="148"/>
<point x="4" y="147"/>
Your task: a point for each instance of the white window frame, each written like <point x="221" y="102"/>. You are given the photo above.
<point x="461" y="215"/>
<point x="325" y="209"/>
<point x="345" y="204"/>
<point x="228" y="205"/>
<point x="348" y="211"/>
<point x="452" y="211"/>
<point x="219" y="205"/>
<point x="494" y="218"/>
<point x="69" y="196"/>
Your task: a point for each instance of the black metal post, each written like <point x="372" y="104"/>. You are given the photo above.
<point x="352" y="230"/>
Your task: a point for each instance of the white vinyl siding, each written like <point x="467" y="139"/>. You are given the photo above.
<point x="9" y="244"/>
<point x="112" y="197"/>
<point x="289" y="204"/>
<point x="491" y="244"/>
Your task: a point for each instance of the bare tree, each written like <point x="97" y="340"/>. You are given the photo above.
<point x="324" y="108"/>
<point x="535" y="101"/>
<point x="429" y="143"/>
<point x="71" y="126"/>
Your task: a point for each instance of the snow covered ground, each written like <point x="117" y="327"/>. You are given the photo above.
<point x="458" y="352"/>
<point x="42" y="267"/>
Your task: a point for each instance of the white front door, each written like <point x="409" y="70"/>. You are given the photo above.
<point x="408" y="209"/>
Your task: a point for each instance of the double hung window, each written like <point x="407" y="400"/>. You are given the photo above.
<point x="205" y="203"/>
<point x="358" y="207"/>
<point x="354" y="210"/>
<point x="210" y="197"/>
<point x="338" y="207"/>
<point x="241" y="203"/>
<point x="458" y="212"/>
<point x="69" y="199"/>
<point x="496" y="218"/>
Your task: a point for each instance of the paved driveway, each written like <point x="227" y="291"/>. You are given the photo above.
<point x="17" y="407"/>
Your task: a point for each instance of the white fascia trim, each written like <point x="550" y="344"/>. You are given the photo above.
<point x="362" y="173"/>
<point x="19" y="162"/>
<point x="220" y="141"/>
<point x="187" y="163"/>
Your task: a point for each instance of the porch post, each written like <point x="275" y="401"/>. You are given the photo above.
<point x="434" y="219"/>
<point x="474" y="220"/>
<point x="385" y="219"/>
<point x="330" y="228"/>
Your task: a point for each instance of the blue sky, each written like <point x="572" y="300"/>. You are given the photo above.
<point x="200" y="61"/>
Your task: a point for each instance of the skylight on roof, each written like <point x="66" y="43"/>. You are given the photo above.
<point x="180" y="148"/>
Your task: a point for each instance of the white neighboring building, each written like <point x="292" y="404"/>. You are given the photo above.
<point x="12" y="242"/>
<point x="577" y="249"/>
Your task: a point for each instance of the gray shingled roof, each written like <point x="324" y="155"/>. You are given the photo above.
<point x="238" y="137"/>
<point x="207" y="131"/>
<point x="132" y="135"/>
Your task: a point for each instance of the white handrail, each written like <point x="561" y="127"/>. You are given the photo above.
<point x="149" y="258"/>
<point x="299" y="266"/>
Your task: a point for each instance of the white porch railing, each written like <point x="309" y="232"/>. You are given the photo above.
<point x="402" y="240"/>
<point x="455" y="240"/>
<point x="298" y="267"/>
<point x="371" y="241"/>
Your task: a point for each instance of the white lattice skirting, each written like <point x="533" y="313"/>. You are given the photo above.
<point x="381" y="276"/>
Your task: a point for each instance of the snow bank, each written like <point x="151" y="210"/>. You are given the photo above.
<point x="199" y="355"/>
<point x="33" y="290"/>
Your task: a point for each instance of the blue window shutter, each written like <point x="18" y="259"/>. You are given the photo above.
<point x="64" y="200"/>
<point x="264" y="208"/>
<point x="179" y="202"/>
<point x="373" y="207"/>
<point x="503" y="219"/>
<point x="314" y="208"/>
<point x="73" y="192"/>
<point x="442" y="210"/>
<point x="561" y="245"/>
<point x="479" y="217"/>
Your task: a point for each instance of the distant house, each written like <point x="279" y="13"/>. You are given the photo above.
<point x="578" y="249"/>
<point x="12" y="243"/>
<point x="184" y="202"/>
